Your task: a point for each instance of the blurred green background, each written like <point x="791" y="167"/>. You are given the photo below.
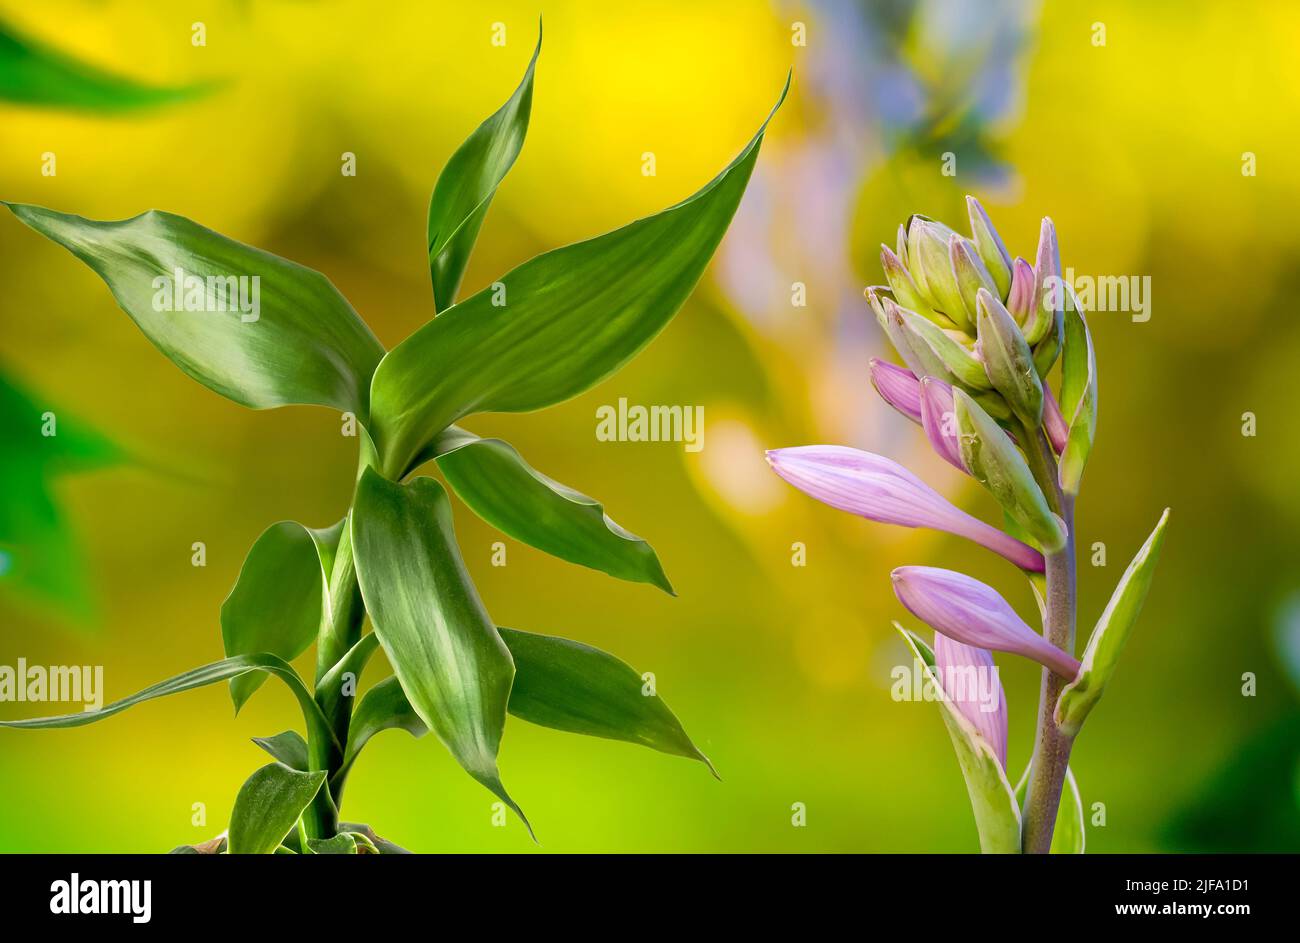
<point x="780" y="673"/>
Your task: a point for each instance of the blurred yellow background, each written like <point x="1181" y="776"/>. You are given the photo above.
<point x="1135" y="146"/>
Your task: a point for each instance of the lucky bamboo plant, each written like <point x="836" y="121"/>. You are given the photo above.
<point x="541" y="334"/>
<point x="979" y="334"/>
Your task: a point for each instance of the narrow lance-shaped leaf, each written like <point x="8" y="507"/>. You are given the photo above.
<point x="500" y="487"/>
<point x="570" y="686"/>
<point x="467" y="184"/>
<point x="997" y="817"/>
<point x="556" y="325"/>
<point x="560" y="684"/>
<point x="256" y="328"/>
<point x="277" y="602"/>
<point x="32" y="73"/>
<point x="267" y="807"/>
<point x="1068" y="834"/>
<point x="222" y="670"/>
<point x="1100" y="658"/>
<point x="1078" y="396"/>
<point x="451" y="663"/>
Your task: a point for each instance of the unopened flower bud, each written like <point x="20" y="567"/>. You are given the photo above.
<point x="1008" y="361"/>
<point x="970" y="272"/>
<point x="931" y="267"/>
<point x="992" y="251"/>
<point x="1049" y="296"/>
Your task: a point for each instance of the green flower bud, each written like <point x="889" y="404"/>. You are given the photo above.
<point x="931" y="267"/>
<point x="997" y="464"/>
<point x="959" y="361"/>
<point x="905" y="290"/>
<point x="1049" y="296"/>
<point x="1008" y="361"/>
<point x="970" y="272"/>
<point x="992" y="251"/>
<point x="918" y="355"/>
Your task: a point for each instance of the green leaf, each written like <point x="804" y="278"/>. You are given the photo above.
<point x="40" y="561"/>
<point x="383" y="707"/>
<point x="32" y="73"/>
<point x="277" y="602"/>
<point x="469" y="181"/>
<point x="555" y="326"/>
<point x="580" y="689"/>
<point x="1068" y="833"/>
<point x="268" y="805"/>
<point x="1078" y="396"/>
<point x="560" y="684"/>
<point x="451" y="663"/>
<point x="75" y="446"/>
<point x="500" y="487"/>
<point x="329" y="689"/>
<point x="222" y="670"/>
<point x="341" y="844"/>
<point x="1108" y="637"/>
<point x="288" y="747"/>
<point x="997" y="814"/>
<point x="998" y="465"/>
<point x="301" y="342"/>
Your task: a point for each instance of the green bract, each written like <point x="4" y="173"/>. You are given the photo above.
<point x="266" y="332"/>
<point x="1111" y="632"/>
<point x="997" y="814"/>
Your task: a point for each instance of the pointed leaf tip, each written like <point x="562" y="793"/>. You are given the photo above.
<point x="493" y="479"/>
<point x="557" y="325"/>
<point x="1106" y="644"/>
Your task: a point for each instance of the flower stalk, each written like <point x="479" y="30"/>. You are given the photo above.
<point x="980" y="332"/>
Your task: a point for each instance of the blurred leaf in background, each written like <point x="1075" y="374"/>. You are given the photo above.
<point x="39" y="557"/>
<point x="32" y="73"/>
<point x="40" y="561"/>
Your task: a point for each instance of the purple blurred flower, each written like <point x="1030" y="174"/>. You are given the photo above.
<point x="878" y="489"/>
<point x="939" y="422"/>
<point x="897" y="386"/>
<point x="968" y="611"/>
<point x="970" y="679"/>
